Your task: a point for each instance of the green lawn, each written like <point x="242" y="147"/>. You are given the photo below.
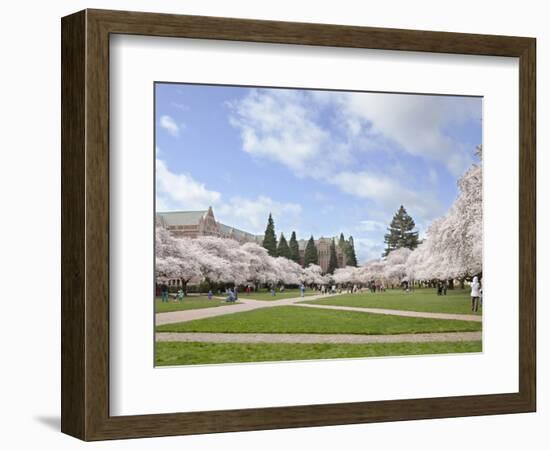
<point x="265" y="295"/>
<point x="296" y="319"/>
<point x="191" y="302"/>
<point x="185" y="353"/>
<point x="456" y="301"/>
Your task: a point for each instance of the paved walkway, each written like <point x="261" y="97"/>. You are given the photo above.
<point x="254" y="338"/>
<point x="249" y="304"/>
<point x="398" y="312"/>
<point x="245" y="304"/>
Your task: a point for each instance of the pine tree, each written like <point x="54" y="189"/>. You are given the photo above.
<point x="283" y="249"/>
<point x="400" y="232"/>
<point x="351" y="258"/>
<point x="270" y="241"/>
<point x="332" y="261"/>
<point x="342" y="242"/>
<point x="294" y="248"/>
<point x="310" y="254"/>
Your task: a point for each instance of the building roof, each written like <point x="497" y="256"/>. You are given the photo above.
<point x="226" y="229"/>
<point x="173" y="218"/>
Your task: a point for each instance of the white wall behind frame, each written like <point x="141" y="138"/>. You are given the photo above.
<point x="29" y="180"/>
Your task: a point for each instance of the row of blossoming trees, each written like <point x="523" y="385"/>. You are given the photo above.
<point x="451" y="250"/>
<point x="218" y="260"/>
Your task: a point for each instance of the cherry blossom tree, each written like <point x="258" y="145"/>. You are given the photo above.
<point x="453" y="248"/>
<point x="313" y="274"/>
<point x="288" y="271"/>
<point x="395" y="265"/>
<point x="262" y="268"/>
<point x="349" y="275"/>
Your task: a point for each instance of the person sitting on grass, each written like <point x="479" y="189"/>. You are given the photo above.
<point x="231" y="296"/>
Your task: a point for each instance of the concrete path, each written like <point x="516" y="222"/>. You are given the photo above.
<point x="254" y="338"/>
<point x="245" y="304"/>
<point x="398" y="312"/>
<point x="249" y="304"/>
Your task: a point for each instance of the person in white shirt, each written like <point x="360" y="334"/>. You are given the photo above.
<point x="475" y="294"/>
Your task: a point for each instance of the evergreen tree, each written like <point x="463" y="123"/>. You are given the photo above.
<point x="332" y="261"/>
<point x="283" y="249"/>
<point x="310" y="254"/>
<point x="294" y="248"/>
<point x="400" y="232"/>
<point x="351" y="258"/>
<point x="270" y="241"/>
<point x="342" y="243"/>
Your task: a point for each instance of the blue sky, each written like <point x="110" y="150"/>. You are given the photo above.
<point x="323" y="162"/>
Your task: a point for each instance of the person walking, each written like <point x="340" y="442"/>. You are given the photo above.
<point x="210" y="295"/>
<point x="302" y="289"/>
<point x="475" y="294"/>
<point x="164" y="292"/>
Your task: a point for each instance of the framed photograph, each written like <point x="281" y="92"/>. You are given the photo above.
<point x="273" y="225"/>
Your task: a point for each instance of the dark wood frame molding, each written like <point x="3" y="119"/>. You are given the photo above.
<point x="85" y="224"/>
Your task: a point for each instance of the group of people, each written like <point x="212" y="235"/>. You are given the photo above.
<point x="233" y="293"/>
<point x="375" y="286"/>
<point x="165" y="294"/>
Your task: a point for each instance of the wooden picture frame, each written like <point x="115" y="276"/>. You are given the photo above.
<point x="85" y="224"/>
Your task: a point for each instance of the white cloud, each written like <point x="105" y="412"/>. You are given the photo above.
<point x="371" y="225"/>
<point x="181" y="191"/>
<point x="282" y="126"/>
<point x="286" y="126"/>
<point x="251" y="214"/>
<point x="387" y="193"/>
<point x="170" y="125"/>
<point x="419" y="124"/>
<point x="367" y="249"/>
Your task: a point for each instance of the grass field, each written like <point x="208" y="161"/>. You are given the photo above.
<point x="295" y="319"/>
<point x="456" y="301"/>
<point x="185" y="353"/>
<point x="191" y="302"/>
<point x="265" y="295"/>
